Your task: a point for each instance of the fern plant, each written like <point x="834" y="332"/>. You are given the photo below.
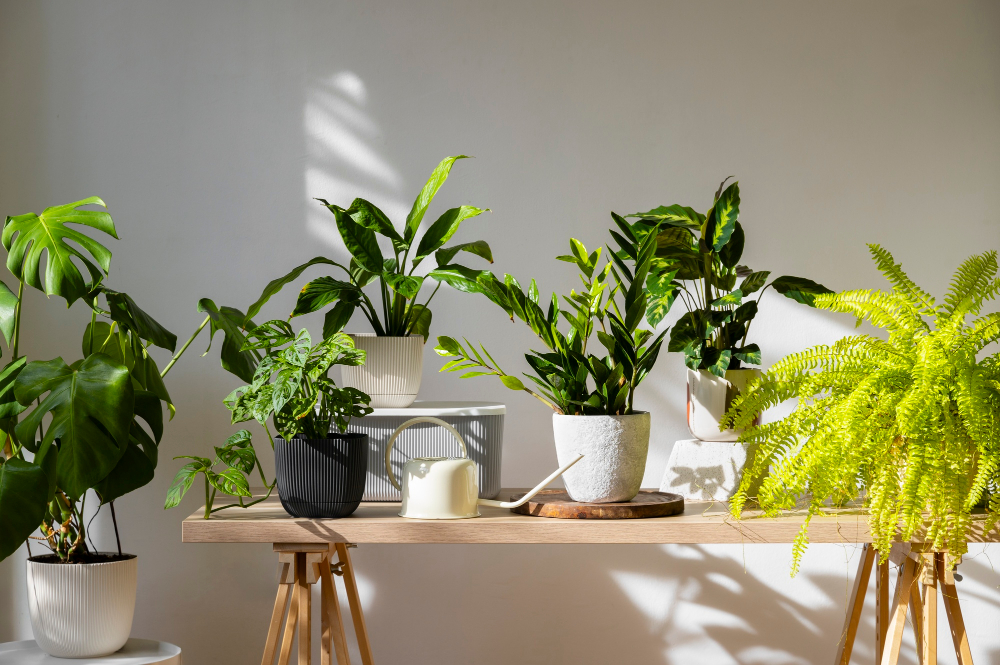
<point x="910" y="423"/>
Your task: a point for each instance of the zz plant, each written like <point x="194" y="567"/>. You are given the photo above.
<point x="910" y="421"/>
<point x="569" y="377"/>
<point x="91" y="424"/>
<point x="398" y="287"/>
<point x="697" y="260"/>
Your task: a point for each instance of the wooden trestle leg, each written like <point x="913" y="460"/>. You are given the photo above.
<point x="299" y="567"/>
<point x="922" y="572"/>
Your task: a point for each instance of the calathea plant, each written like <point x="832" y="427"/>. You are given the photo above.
<point x="398" y="286"/>
<point x="94" y="423"/>
<point x="569" y="377"/>
<point x="910" y="420"/>
<point x="291" y="387"/>
<point x="697" y="260"/>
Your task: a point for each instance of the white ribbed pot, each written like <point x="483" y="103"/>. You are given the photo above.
<point x="614" y="450"/>
<point x="81" y="610"/>
<point x="709" y="397"/>
<point x="392" y="370"/>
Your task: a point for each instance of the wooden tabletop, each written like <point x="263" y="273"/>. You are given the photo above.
<point x="706" y="522"/>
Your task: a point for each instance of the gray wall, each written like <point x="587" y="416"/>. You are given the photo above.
<point x="209" y="126"/>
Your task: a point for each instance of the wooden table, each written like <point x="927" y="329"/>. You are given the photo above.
<point x="307" y="547"/>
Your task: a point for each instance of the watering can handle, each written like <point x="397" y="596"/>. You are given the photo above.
<point x="417" y="421"/>
<point x="538" y="488"/>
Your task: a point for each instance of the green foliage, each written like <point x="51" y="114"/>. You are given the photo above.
<point x="697" y="259"/>
<point x="292" y="386"/>
<point x="910" y="422"/>
<point x="238" y="457"/>
<point x="398" y="286"/>
<point x="567" y="377"/>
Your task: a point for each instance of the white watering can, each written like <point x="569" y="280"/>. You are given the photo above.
<point x="447" y="488"/>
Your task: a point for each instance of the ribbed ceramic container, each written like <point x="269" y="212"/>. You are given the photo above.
<point x="81" y="610"/>
<point x="322" y="478"/>
<point x="709" y="397"/>
<point x="614" y="450"/>
<point x="392" y="370"/>
<point x="479" y="423"/>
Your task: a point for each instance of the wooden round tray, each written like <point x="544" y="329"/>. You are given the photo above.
<point x="556" y="503"/>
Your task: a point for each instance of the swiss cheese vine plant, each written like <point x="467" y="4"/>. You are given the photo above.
<point x="908" y="421"/>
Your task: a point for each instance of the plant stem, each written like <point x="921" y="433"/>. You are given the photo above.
<point x="186" y="345"/>
<point x="17" y="318"/>
<point x="114" y="520"/>
<point x="208" y="499"/>
<point x="270" y="488"/>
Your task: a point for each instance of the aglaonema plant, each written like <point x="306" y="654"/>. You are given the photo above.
<point x="698" y="260"/>
<point x="907" y="421"/>
<point x="568" y="377"/>
<point x="95" y="423"/>
<point x="398" y="286"/>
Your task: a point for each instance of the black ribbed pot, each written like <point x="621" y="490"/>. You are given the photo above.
<point x="321" y="477"/>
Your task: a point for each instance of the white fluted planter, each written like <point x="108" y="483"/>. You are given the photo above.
<point x="709" y="397"/>
<point x="392" y="370"/>
<point x="614" y="450"/>
<point x="81" y="610"/>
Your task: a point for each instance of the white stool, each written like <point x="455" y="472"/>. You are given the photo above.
<point x="135" y="652"/>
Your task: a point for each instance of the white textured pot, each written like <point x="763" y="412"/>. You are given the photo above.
<point x="614" y="450"/>
<point x="392" y="370"/>
<point x="708" y="399"/>
<point x="81" y="610"/>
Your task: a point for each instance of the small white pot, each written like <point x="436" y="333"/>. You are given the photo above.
<point x="708" y="399"/>
<point x="81" y="610"/>
<point x="614" y="450"/>
<point x="392" y="370"/>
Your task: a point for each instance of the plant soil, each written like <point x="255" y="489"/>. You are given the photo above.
<point x="84" y="557"/>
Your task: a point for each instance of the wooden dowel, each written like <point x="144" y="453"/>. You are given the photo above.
<point x="354" y="600"/>
<point x="290" y="620"/>
<point x="954" y="613"/>
<point x="305" y="609"/>
<point x="274" y="630"/>
<point x="882" y="607"/>
<point x="897" y="615"/>
<point x="333" y="617"/>
<point x="928" y="634"/>
<point x="855" y="605"/>
<point x="917" y="619"/>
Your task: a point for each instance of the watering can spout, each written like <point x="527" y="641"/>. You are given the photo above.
<point x="538" y="488"/>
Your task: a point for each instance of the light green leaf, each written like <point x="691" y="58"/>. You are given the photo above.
<point x="443" y="229"/>
<point x="8" y="307"/>
<point x="512" y="382"/>
<point x="673" y="215"/>
<point x="426" y="195"/>
<point x="405" y="285"/>
<point x="730" y="299"/>
<point x="479" y="248"/>
<point x="182" y="482"/>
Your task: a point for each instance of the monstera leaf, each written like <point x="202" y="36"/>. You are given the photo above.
<point x="24" y="493"/>
<point x="92" y="405"/>
<point x="137" y="465"/>
<point x="26" y="236"/>
<point x="230" y="321"/>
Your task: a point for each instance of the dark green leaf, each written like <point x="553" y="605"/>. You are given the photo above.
<point x="443" y="229"/>
<point x="673" y="215"/>
<point x="479" y="248"/>
<point x="420" y="321"/>
<point x="754" y="281"/>
<point x="405" y="285"/>
<point x="322" y="291"/>
<point x="8" y="307"/>
<point x="238" y="452"/>
<point x="337" y="317"/>
<point x="728" y="300"/>
<point x="276" y="285"/>
<point x="716" y="362"/>
<point x="733" y="250"/>
<point x="750" y="354"/>
<point x="426" y="195"/>
<point x="25" y="237"/>
<point x="24" y="493"/>
<point x="131" y="317"/>
<point x="368" y="215"/>
<point x="183" y="481"/>
<point x="360" y="242"/>
<point x="799" y="289"/>
<point x="460" y="277"/>
<point x="230" y="321"/>
<point x="231" y="482"/>
<point x="722" y="222"/>
<point x="133" y="470"/>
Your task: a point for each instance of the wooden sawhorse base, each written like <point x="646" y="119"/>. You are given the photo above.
<point x="921" y="573"/>
<point x="300" y="565"/>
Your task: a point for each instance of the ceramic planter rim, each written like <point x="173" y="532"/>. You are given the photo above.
<point x="124" y="556"/>
<point x="371" y="334"/>
<point x="347" y="436"/>
<point x="601" y="415"/>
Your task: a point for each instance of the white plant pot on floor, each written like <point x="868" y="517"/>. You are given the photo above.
<point x="708" y="399"/>
<point x="392" y="370"/>
<point x="614" y="450"/>
<point x="81" y="610"/>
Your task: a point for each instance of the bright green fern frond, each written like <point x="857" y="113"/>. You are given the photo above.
<point x="973" y="279"/>
<point x="901" y="283"/>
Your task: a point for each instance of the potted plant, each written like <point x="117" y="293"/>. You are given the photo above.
<point x="592" y="396"/>
<point x="697" y="260"/>
<point x="401" y="325"/>
<point x="908" y="421"/>
<point x="94" y="424"/>
<point x="319" y="472"/>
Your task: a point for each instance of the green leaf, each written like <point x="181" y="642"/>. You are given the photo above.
<point x="26" y="236"/>
<point x="337" y="317"/>
<point x="479" y="248"/>
<point x="799" y="289"/>
<point x="24" y="494"/>
<point x="443" y="229"/>
<point x="420" y="321"/>
<point x="426" y="195"/>
<point x="9" y="406"/>
<point x="716" y="362"/>
<point x="405" y="285"/>
<point x="750" y="354"/>
<point x="460" y="278"/>
<point x="733" y="250"/>
<point x="368" y="215"/>
<point x="133" y="470"/>
<point x="91" y="408"/>
<point x="322" y="291"/>
<point x="238" y="452"/>
<point x="276" y="285"/>
<point x="448" y="346"/>
<point x="360" y="242"/>
<point x="131" y="317"/>
<point x="231" y="482"/>
<point x="512" y="382"/>
<point x="754" y="281"/>
<point x="728" y="300"/>
<point x="8" y="307"/>
<point x="230" y="321"/>
<point x="270" y="334"/>
<point x="722" y="223"/>
<point x="673" y="215"/>
<point x="183" y="481"/>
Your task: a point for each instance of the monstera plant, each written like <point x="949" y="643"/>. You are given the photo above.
<point x="94" y="423"/>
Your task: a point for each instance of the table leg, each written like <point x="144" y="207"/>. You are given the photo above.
<point x="855" y="605"/>
<point x="357" y="614"/>
<point x="882" y="608"/>
<point x="274" y="630"/>
<point x="954" y="613"/>
<point x="286" y="639"/>
<point x="333" y="620"/>
<point x="917" y="610"/>
<point x="305" y="609"/>
<point x="928" y="642"/>
<point x="897" y="617"/>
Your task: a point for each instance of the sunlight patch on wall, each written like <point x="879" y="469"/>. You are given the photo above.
<point x="344" y="160"/>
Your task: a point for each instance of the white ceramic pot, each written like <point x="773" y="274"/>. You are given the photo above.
<point x="392" y="369"/>
<point x="614" y="450"/>
<point x="708" y="399"/>
<point x="81" y="610"/>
